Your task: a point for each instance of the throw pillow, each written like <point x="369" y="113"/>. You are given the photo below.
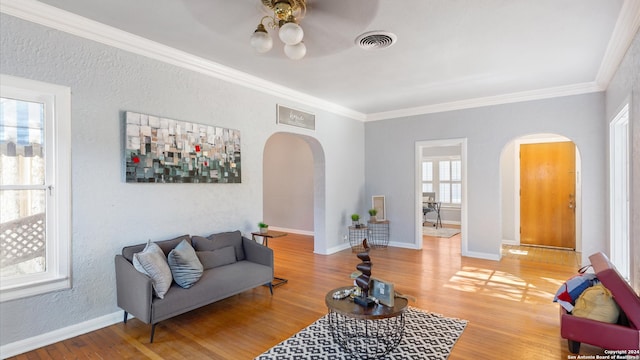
<point x="152" y="262"/>
<point x="219" y="241"/>
<point x="184" y="264"/>
<point x="569" y="292"/>
<point x="596" y="303"/>
<point x="215" y="258"/>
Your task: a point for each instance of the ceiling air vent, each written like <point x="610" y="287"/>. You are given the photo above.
<point x="374" y="40"/>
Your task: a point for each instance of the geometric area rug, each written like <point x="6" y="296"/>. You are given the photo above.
<point x="426" y="336"/>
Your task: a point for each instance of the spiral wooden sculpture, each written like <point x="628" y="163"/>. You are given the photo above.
<point x="363" y="280"/>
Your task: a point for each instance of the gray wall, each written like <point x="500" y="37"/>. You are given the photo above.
<point x="390" y="162"/>
<point x="109" y="214"/>
<point x="625" y="85"/>
<point x="288" y="183"/>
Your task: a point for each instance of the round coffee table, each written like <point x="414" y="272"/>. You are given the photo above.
<point x="365" y="332"/>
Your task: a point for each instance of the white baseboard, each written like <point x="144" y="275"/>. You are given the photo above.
<point x="345" y="246"/>
<point x="292" y="231"/>
<point x="38" y="341"/>
<point x="403" y="245"/>
<point x="337" y="248"/>
<point x="451" y="222"/>
<point x="480" y="255"/>
<point x="510" y="242"/>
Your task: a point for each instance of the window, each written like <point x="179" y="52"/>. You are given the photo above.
<point x="427" y="176"/>
<point x="450" y="187"/>
<point x="35" y="189"/>
<point x="619" y="192"/>
<point x="445" y="175"/>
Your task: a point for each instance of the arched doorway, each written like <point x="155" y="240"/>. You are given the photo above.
<point x="514" y="219"/>
<point x="294" y="185"/>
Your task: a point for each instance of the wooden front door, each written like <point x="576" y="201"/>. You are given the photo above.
<point x="547" y="194"/>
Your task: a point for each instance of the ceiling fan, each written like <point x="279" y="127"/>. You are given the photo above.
<point x="328" y="24"/>
<point x="285" y="18"/>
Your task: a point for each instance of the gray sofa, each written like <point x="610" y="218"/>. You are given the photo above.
<point x="222" y="277"/>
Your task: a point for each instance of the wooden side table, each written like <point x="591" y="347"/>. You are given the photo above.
<point x="271" y="234"/>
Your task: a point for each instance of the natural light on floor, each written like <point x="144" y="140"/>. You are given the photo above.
<point x="560" y="256"/>
<point x="499" y="284"/>
<point x="518" y="252"/>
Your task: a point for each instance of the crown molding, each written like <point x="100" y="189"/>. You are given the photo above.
<point x="574" y="89"/>
<point x="65" y="21"/>
<point x="34" y="11"/>
<point x="623" y="33"/>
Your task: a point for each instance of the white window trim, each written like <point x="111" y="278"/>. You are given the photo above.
<point x="436" y="179"/>
<point x="57" y="100"/>
<point x="619" y="189"/>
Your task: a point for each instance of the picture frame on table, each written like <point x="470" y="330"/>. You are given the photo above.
<point x="383" y="291"/>
<point x="378" y="203"/>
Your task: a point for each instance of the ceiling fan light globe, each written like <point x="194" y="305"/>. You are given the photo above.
<point x="261" y="42"/>
<point x="295" y="52"/>
<point x="291" y="33"/>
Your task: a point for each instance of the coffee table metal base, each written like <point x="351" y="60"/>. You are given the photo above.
<point x="366" y="339"/>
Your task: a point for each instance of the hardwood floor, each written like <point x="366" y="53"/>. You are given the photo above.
<point x="508" y="305"/>
<point x="542" y="255"/>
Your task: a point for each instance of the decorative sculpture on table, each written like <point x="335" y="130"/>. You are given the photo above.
<point x="362" y="281"/>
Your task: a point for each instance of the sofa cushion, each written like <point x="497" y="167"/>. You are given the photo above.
<point x="165" y="245"/>
<point x="184" y="264"/>
<point x="214" y="285"/>
<point x="220" y="240"/>
<point x="215" y="258"/>
<point x="152" y="262"/>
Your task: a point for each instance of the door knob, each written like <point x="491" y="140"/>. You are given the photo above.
<point x="571" y="201"/>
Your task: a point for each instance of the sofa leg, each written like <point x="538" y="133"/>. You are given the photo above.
<point x="125" y="316"/>
<point x="574" y="346"/>
<point x="270" y="285"/>
<point x="153" y="331"/>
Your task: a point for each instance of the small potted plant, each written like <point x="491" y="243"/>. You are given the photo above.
<point x="355" y="218"/>
<point x="264" y="228"/>
<point x="372" y="215"/>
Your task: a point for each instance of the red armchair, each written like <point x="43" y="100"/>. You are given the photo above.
<point x="625" y="334"/>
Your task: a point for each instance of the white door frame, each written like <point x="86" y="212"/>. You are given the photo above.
<point x="420" y="145"/>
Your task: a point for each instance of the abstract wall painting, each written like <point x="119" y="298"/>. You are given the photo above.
<point x="160" y="150"/>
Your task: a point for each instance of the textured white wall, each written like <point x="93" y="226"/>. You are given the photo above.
<point x="108" y="213"/>
<point x="625" y="85"/>
<point x="390" y="162"/>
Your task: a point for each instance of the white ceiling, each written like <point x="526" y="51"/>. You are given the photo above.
<point x="449" y="53"/>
